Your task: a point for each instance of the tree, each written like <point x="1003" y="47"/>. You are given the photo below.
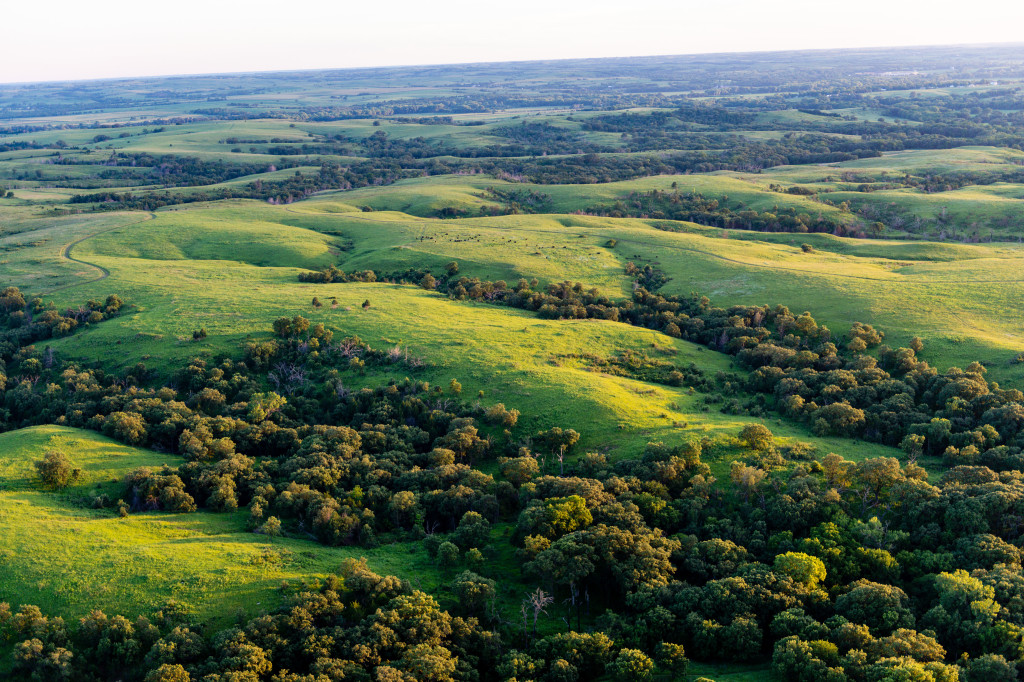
<point x="519" y="470"/>
<point x="558" y="439"/>
<point x="127" y="427"/>
<point x="272" y="527"/>
<point x="473" y="591"/>
<point x="428" y="282"/>
<point x="447" y="555"/>
<point x="366" y="304"/>
<point x="746" y="478"/>
<point x="815" y="661"/>
<point x="537" y="602"/>
<point x="518" y="665"/>
<point x="588" y="652"/>
<point x="403" y="509"/>
<point x="473" y="531"/>
<point x="631" y="665"/>
<point x="262" y="405"/>
<point x="568" y="514"/>
<point x="169" y="672"/>
<point x="838" y="418"/>
<point x="672" y="657"/>
<point x="803" y="568"/>
<point x="757" y="436"/>
<point x="989" y="668"/>
<point x="56" y="470"/>
<point x="428" y="663"/>
<point x="883" y="608"/>
<point x="11" y="298"/>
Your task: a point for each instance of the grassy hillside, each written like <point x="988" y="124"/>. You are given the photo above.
<point x="962" y="297"/>
<point x="525" y="172"/>
<point x="68" y="558"/>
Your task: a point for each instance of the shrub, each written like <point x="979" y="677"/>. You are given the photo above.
<point x="56" y="471"/>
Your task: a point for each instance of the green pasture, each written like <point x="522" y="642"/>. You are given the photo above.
<point x="166" y="268"/>
<point x="67" y="558"/>
<point x="961" y="299"/>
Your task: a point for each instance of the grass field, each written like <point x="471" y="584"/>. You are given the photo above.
<point x="964" y="297"/>
<point x="68" y="558"/>
<point x="231" y="267"/>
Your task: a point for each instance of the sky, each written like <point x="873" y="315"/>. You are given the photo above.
<point x="79" y="39"/>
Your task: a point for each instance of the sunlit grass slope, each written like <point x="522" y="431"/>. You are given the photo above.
<point x="511" y="355"/>
<point x="33" y="246"/>
<point x="67" y="558"/>
<point x="962" y="299"/>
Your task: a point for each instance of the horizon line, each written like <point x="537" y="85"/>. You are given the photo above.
<point x="508" y="61"/>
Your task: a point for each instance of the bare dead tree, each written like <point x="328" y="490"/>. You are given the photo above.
<point x="287" y="377"/>
<point x="341" y="391"/>
<point x="538" y="602"/>
<point x="349" y="348"/>
<point x="395" y="354"/>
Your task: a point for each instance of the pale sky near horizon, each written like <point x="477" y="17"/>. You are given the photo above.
<point x="73" y="39"/>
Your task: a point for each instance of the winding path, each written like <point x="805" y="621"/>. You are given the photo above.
<point x="65" y="253"/>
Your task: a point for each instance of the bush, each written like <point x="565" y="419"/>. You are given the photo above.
<point x="631" y="665"/>
<point x="56" y="471"/>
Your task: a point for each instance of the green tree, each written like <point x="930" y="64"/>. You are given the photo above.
<point x="631" y="665"/>
<point x="672" y="657"/>
<point x="473" y="591"/>
<point x="169" y="672"/>
<point x="757" y="436"/>
<point x="271" y="527"/>
<point x="883" y="608"/>
<point x="447" y="555"/>
<point x="56" y="470"/>
<point x="262" y="405"/>
<point x="803" y="568"/>
<point x="473" y="531"/>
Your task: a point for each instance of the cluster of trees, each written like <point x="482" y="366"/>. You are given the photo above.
<point x="894" y="398"/>
<point x="25" y="322"/>
<point x="695" y="207"/>
<point x="485" y="102"/>
<point x="641" y="366"/>
<point x="281" y="433"/>
<point x="170" y="170"/>
<point x="332" y="274"/>
<point x="294" y="188"/>
<point x="356" y="625"/>
<point x="516" y="200"/>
